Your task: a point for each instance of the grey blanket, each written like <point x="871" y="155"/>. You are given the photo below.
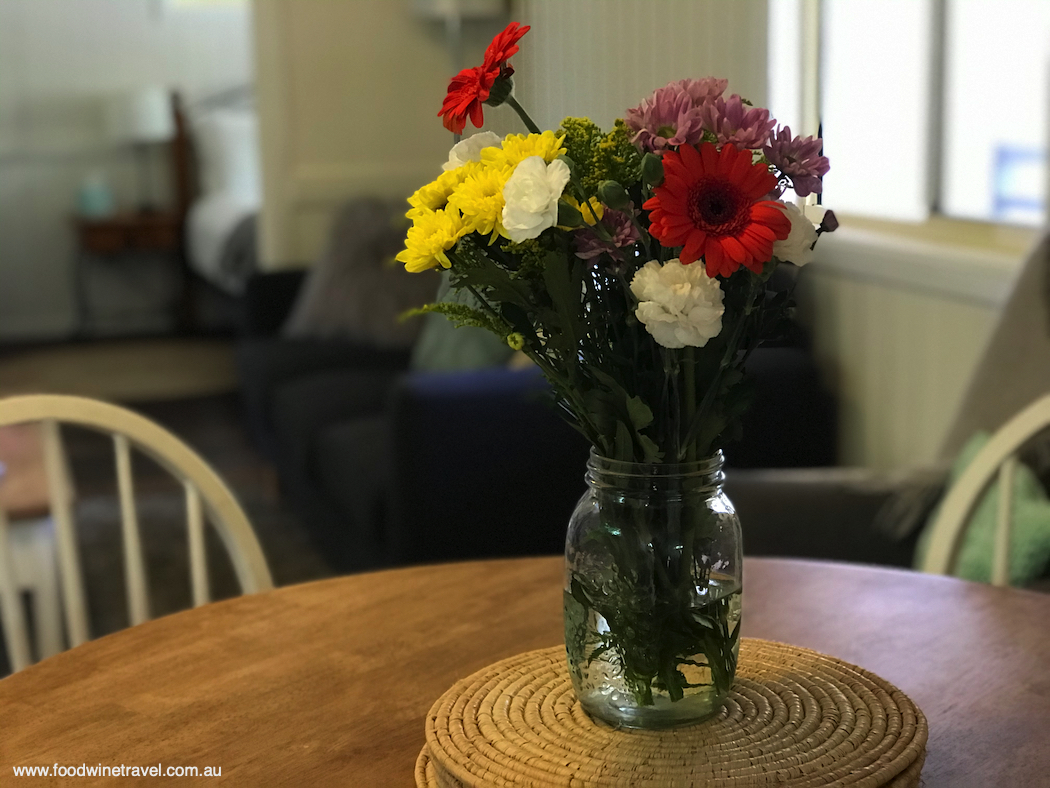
<point x="240" y="258"/>
<point x="1015" y="367"/>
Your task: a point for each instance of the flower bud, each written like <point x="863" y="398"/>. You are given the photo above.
<point x="614" y="195"/>
<point x="569" y="163"/>
<point x="569" y="216"/>
<point x="500" y="91"/>
<point x="516" y="341"/>
<point x="829" y="223"/>
<point x="652" y="169"/>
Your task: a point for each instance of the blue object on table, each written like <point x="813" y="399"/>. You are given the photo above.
<point x="95" y="198"/>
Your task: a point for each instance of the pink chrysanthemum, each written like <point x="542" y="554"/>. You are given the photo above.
<point x="623" y="231"/>
<point x="799" y="159"/>
<point x="732" y="121"/>
<point x="702" y="91"/>
<point x="664" y="120"/>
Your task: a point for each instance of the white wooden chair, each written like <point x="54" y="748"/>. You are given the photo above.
<point x="207" y="497"/>
<point x="999" y="456"/>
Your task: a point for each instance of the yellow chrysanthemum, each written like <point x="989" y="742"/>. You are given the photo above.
<point x="431" y="235"/>
<point x="480" y="198"/>
<point x="591" y="214"/>
<point x="434" y="196"/>
<point x="517" y="147"/>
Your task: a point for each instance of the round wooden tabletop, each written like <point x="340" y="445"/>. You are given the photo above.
<point x="328" y="683"/>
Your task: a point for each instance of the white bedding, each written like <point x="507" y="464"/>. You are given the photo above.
<point x="226" y="142"/>
<point x="209" y="225"/>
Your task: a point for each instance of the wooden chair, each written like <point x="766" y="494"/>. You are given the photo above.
<point x="207" y="497"/>
<point x="998" y="457"/>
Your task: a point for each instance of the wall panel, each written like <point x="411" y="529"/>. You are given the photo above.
<point x="597" y="58"/>
<point x="348" y="100"/>
<point x="899" y="358"/>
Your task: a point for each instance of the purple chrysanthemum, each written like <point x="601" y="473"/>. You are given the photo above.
<point x="732" y="121"/>
<point x="666" y="119"/>
<point x="590" y="245"/>
<point x="799" y="159"/>
<point x="702" y="91"/>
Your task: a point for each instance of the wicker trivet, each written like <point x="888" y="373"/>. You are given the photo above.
<point x="793" y="718"/>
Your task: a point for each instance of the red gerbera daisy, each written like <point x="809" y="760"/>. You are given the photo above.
<point x="710" y="204"/>
<point x="504" y="45"/>
<point x="466" y="93"/>
<point x="470" y="88"/>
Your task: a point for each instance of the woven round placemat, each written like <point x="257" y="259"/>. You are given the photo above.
<point x="793" y="718"/>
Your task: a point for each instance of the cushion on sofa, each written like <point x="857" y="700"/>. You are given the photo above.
<point x="356" y="291"/>
<point x="263" y="364"/>
<point x="304" y="407"/>
<point x="352" y="466"/>
<point x="482" y="466"/>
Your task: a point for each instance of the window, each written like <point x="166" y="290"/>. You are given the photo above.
<point x="996" y="91"/>
<point x="927" y="106"/>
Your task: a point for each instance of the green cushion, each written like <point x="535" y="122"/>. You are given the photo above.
<point x="442" y="347"/>
<point x="1030" y="539"/>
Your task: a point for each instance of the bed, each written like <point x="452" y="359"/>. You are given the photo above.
<point x="218" y="179"/>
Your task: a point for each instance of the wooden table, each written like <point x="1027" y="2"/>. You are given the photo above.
<point x="328" y="683"/>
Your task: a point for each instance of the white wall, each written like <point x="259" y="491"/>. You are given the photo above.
<point x="596" y="58"/>
<point x="58" y="60"/>
<point x="348" y="98"/>
<point x="349" y="91"/>
<point x="899" y="326"/>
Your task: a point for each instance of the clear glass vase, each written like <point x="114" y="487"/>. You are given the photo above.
<point x="652" y="593"/>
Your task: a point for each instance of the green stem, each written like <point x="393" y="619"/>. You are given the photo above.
<point x="727" y="358"/>
<point x="488" y="307"/>
<point x="545" y="365"/>
<point x="642" y="233"/>
<point x="690" y="400"/>
<point x="529" y="123"/>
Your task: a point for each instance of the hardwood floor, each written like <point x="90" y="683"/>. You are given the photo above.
<point x="122" y="370"/>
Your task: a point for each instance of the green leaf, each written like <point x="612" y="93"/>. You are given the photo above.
<point x="565" y="294"/>
<point x="650" y="451"/>
<point x="641" y="415"/>
<point x="624" y="442"/>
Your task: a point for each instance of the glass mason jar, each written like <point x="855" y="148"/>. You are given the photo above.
<point x="652" y="592"/>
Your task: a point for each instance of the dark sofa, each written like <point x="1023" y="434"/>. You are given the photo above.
<point x="389" y="466"/>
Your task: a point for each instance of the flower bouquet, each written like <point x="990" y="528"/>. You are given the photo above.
<point x="633" y="267"/>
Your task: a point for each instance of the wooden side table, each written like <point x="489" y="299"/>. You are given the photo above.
<point x="124" y="234"/>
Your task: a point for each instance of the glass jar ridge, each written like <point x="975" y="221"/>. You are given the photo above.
<point x="698" y="476"/>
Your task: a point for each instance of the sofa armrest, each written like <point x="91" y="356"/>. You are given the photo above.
<point x="268" y="300"/>
<point x="843" y="514"/>
<point x="481" y="466"/>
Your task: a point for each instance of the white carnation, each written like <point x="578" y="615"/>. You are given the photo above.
<point x="470" y="149"/>
<point x="680" y="305"/>
<point x="531" y="197"/>
<point x="797" y="248"/>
